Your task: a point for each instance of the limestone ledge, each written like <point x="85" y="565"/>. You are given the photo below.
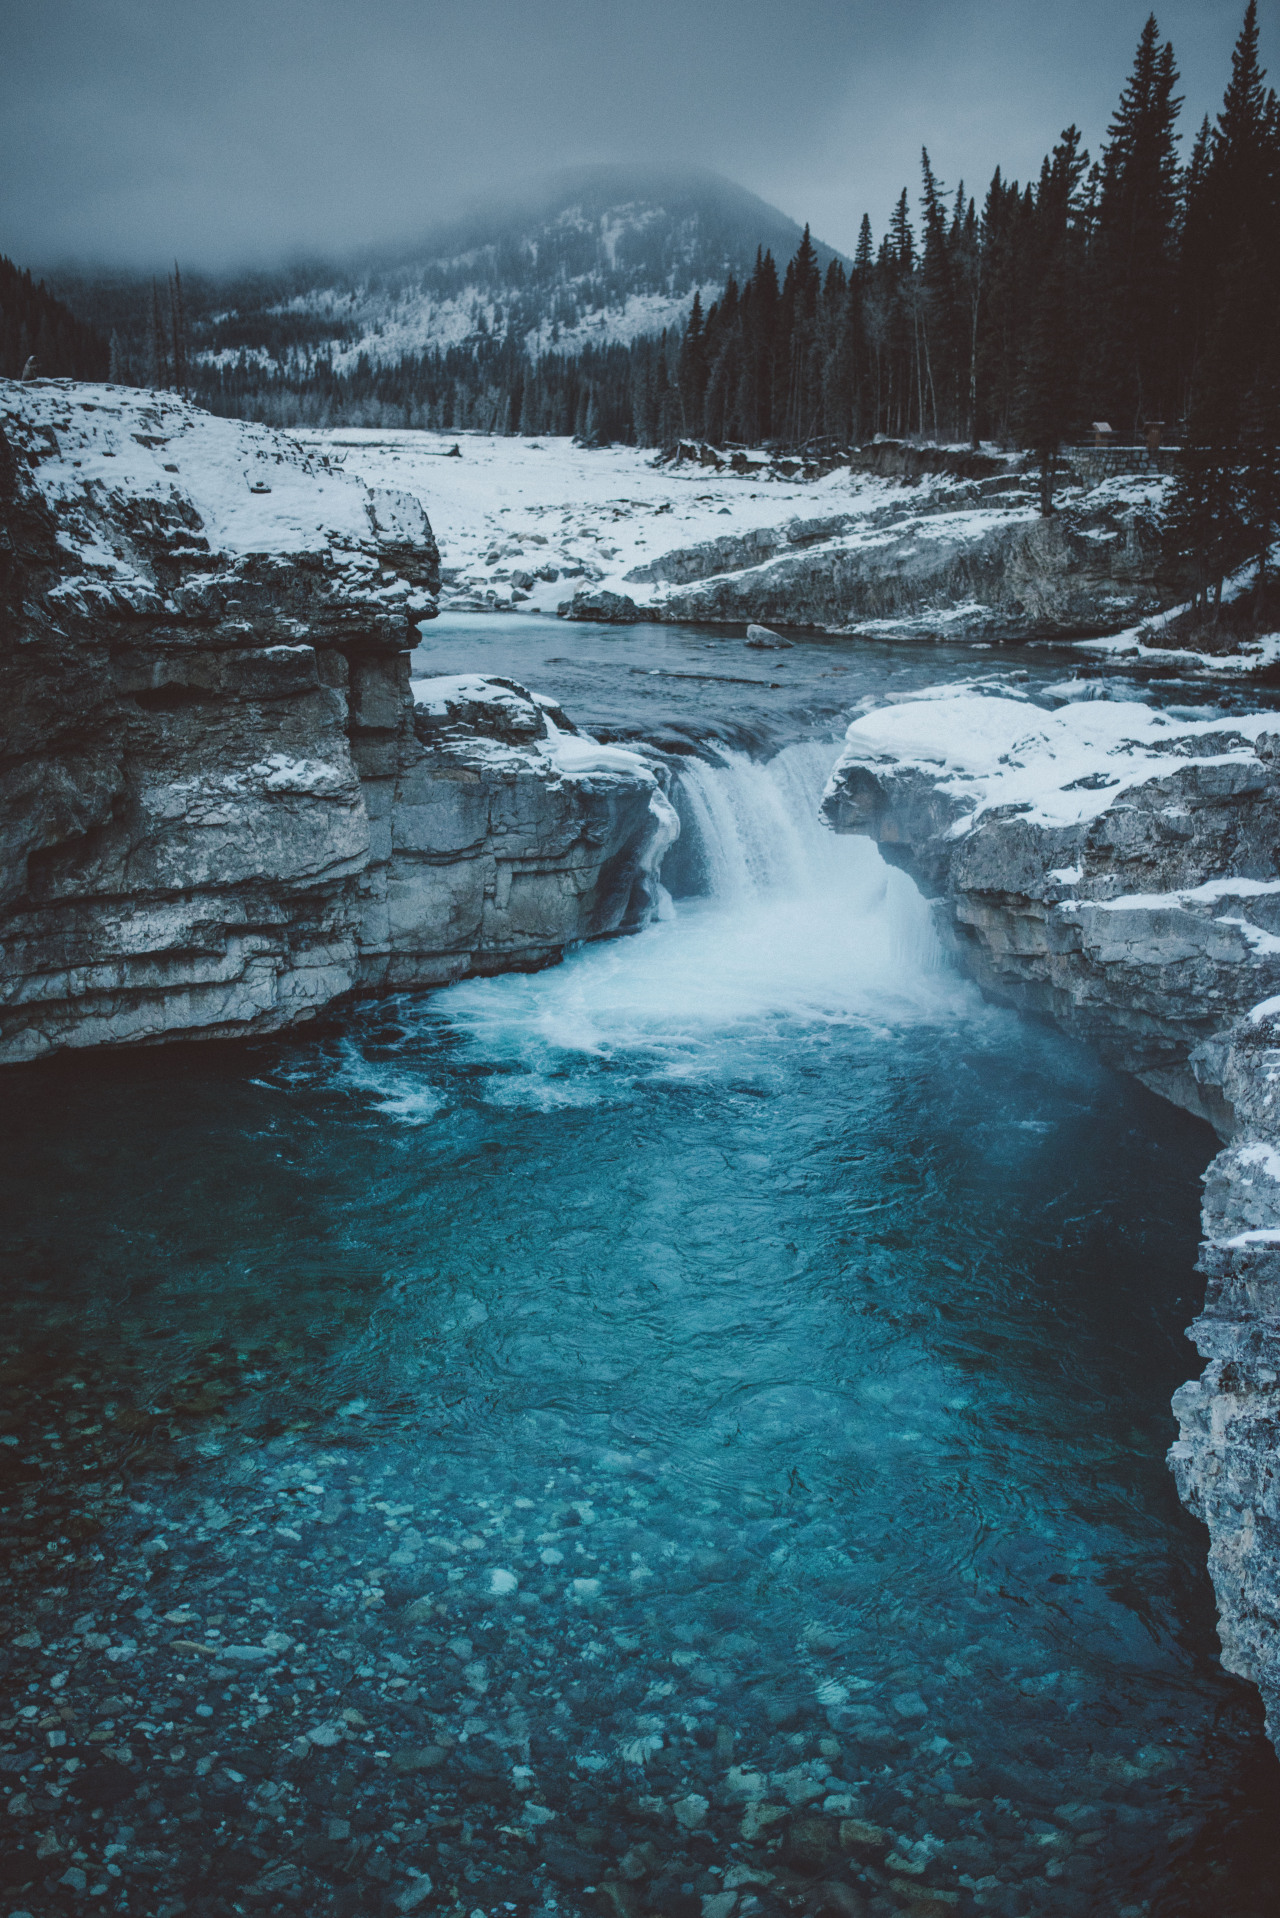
<point x="222" y="805"/>
<point x="973" y="560"/>
<point x="1118" y="870"/>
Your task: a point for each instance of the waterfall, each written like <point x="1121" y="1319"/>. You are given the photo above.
<point x="780" y="929"/>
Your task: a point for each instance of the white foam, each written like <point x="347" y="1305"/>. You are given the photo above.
<point x="801" y="927"/>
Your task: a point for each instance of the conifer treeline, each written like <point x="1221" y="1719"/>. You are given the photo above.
<point x="33" y="324"/>
<point x="601" y="393"/>
<point x="1133" y="290"/>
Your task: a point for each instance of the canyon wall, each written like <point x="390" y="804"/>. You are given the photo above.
<point x="221" y="808"/>
<point x="1118" y="870"/>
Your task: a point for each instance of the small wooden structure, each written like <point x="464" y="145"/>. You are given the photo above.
<point x="1102" y="433"/>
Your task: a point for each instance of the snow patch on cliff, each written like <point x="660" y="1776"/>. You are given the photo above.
<point x="1056" y="768"/>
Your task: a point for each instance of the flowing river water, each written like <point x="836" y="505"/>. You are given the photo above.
<point x="680" y="1432"/>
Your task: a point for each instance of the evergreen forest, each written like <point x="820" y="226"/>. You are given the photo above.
<point x="1134" y="289"/>
<point x="1131" y="294"/>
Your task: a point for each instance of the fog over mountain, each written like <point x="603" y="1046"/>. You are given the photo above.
<point x="589" y="256"/>
<point x="236" y="132"/>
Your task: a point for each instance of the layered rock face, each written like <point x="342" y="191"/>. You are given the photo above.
<point x="1119" y="871"/>
<point x="511" y="836"/>
<point x="217" y="814"/>
<point x="973" y="559"/>
<point x="1103" y="864"/>
<point x="1227" y="1456"/>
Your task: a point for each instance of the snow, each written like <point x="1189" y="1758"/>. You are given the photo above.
<point x="570" y="755"/>
<point x="121" y="439"/>
<point x="1209" y="893"/>
<point x="576" y="756"/>
<point x="511" y="506"/>
<point x="409" y="319"/>
<point x="1260" y="1155"/>
<point x="438" y="694"/>
<point x="999" y="749"/>
<point x="1142" y="641"/>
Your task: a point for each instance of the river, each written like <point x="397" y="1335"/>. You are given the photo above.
<point x="680" y="1432"/>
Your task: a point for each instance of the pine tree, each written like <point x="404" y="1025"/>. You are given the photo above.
<point x="1134" y="243"/>
<point x="157" y="357"/>
<point x="693" y="370"/>
<point x="1048" y="395"/>
<point x="178" y="331"/>
<point x="939" y="320"/>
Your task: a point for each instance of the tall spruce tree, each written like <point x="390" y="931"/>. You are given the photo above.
<point x="1134" y="246"/>
<point x="1048" y="389"/>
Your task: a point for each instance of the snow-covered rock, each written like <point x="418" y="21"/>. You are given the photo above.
<point x="609" y="534"/>
<point x="217" y="813"/>
<point x="1104" y="863"/>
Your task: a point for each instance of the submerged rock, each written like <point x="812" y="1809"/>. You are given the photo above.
<point x="220" y="807"/>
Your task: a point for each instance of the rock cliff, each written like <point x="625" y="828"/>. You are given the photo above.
<point x="220" y="807"/>
<point x="1119" y="870"/>
<point x="969" y="558"/>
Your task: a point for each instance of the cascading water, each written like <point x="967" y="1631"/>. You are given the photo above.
<point x="783" y="929"/>
<point x="687" y="1423"/>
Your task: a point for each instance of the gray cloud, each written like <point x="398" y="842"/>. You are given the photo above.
<point x="234" y="131"/>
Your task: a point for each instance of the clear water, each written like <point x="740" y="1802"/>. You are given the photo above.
<point x="699" y="1411"/>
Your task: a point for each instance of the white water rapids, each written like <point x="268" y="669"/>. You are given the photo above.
<point x="790" y="926"/>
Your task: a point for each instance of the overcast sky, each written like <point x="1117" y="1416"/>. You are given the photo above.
<point x="228" y="131"/>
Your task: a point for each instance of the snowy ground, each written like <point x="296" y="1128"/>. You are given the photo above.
<point x="513" y="508"/>
<point x="526" y="523"/>
<point x="109" y="458"/>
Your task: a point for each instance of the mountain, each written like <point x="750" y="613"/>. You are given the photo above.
<point x="590" y="257"/>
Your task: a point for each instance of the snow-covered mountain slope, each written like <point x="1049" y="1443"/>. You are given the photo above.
<point x="597" y="255"/>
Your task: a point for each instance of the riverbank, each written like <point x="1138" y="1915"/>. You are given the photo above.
<point x="613" y="533"/>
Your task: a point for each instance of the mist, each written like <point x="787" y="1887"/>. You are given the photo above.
<point x="133" y="132"/>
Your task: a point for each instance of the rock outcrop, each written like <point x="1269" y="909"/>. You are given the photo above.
<point x="970" y="559"/>
<point x="1119" y="871"/>
<point x="1102" y="864"/>
<point x="1226" y="1460"/>
<point x="220" y="808"/>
